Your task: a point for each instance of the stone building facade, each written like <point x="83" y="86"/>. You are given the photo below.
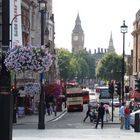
<point x="136" y="47"/>
<point x="31" y="34"/>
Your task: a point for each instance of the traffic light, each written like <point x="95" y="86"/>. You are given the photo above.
<point x="137" y="85"/>
<point x="111" y="88"/>
<point x="126" y="89"/>
<point x="118" y="88"/>
<point x="13" y="89"/>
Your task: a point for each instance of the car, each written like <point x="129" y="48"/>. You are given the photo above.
<point x="92" y="95"/>
<point x="116" y="103"/>
<point x="132" y="115"/>
<point x="93" y="103"/>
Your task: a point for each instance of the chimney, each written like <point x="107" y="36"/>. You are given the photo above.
<point x="98" y="50"/>
<point x="101" y="50"/>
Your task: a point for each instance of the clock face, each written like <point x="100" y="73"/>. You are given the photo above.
<point x="75" y="38"/>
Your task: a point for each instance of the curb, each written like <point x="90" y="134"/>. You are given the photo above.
<point x="111" y="123"/>
<point x="57" y="116"/>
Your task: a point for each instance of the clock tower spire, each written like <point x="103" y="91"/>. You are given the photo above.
<point x="77" y="36"/>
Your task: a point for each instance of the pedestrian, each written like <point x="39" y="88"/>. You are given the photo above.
<point x="88" y="114"/>
<point x="127" y="112"/>
<point x="54" y="107"/>
<point x="101" y="112"/>
<point x="49" y="99"/>
<point x="107" y="114"/>
<point x="122" y="115"/>
<point x="131" y="106"/>
<point x="93" y="115"/>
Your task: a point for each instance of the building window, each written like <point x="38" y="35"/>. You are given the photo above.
<point x="33" y="18"/>
<point x="25" y="26"/>
<point x="139" y="65"/>
<point x="25" y="20"/>
<point x="50" y="33"/>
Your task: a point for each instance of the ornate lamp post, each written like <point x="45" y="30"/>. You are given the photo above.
<point x="123" y="31"/>
<point x="42" y="10"/>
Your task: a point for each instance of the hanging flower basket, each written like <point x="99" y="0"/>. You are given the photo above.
<point x="54" y="89"/>
<point x="32" y="88"/>
<point x="34" y="58"/>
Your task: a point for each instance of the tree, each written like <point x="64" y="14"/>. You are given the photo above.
<point x="87" y="63"/>
<point x="84" y="68"/>
<point x="109" y="67"/>
<point x="64" y="57"/>
<point x="71" y="65"/>
<point x="74" y="68"/>
<point x="91" y="64"/>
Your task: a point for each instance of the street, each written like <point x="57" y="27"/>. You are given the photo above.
<point x="70" y="126"/>
<point x="65" y="121"/>
<point x="75" y="120"/>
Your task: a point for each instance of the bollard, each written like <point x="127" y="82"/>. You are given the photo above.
<point x="6" y="116"/>
<point x="137" y="122"/>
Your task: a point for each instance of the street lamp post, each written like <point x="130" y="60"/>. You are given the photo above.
<point x="11" y="24"/>
<point x="123" y="31"/>
<point x="42" y="10"/>
<point x="15" y="82"/>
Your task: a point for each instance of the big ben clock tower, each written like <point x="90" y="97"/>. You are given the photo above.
<point x="77" y="36"/>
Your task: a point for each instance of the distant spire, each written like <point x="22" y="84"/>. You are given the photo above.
<point x="111" y="46"/>
<point x="78" y="27"/>
<point x="78" y="21"/>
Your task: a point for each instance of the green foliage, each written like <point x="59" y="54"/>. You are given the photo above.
<point x="64" y="57"/>
<point x="80" y="65"/>
<point x="91" y="64"/>
<point x="74" y="68"/>
<point x="109" y="67"/>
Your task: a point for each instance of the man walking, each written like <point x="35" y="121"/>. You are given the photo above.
<point x="88" y="114"/>
<point x="101" y="112"/>
<point x="122" y="115"/>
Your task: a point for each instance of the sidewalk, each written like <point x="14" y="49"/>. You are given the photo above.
<point x="75" y="134"/>
<point x="33" y="119"/>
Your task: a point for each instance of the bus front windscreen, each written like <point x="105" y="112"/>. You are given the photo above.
<point x="104" y="93"/>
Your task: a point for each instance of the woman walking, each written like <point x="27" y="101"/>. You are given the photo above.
<point x="127" y="117"/>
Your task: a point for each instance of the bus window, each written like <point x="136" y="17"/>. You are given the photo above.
<point x="85" y="96"/>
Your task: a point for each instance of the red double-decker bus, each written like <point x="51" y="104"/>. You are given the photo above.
<point x="74" y="97"/>
<point x="85" y="94"/>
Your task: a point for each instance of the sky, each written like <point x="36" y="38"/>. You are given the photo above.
<point x="98" y="19"/>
